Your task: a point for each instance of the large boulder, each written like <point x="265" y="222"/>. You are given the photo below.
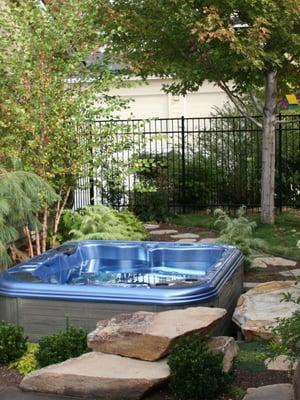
<point x="281" y="391"/>
<point x="99" y="375"/>
<point x="257" y="310"/>
<point x="150" y="336"/>
<point x="227" y="346"/>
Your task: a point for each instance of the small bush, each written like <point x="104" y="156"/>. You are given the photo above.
<point x="197" y="372"/>
<point x="286" y="337"/>
<point x="68" y="343"/>
<point x="12" y="342"/>
<point x="28" y="362"/>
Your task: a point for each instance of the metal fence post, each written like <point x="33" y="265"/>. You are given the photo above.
<point x="183" y="177"/>
<point x="280" y="163"/>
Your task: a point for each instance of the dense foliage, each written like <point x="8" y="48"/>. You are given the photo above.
<point x="286" y="337"/>
<point x="53" y="83"/>
<point x="68" y="343"/>
<point x="22" y="196"/>
<point x="196" y="372"/>
<point x="12" y="342"/>
<point x="101" y="223"/>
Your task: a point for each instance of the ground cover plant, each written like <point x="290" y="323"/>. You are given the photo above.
<point x="101" y="223"/>
<point x="197" y="372"/>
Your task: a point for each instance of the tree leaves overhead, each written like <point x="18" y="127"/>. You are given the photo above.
<point x="196" y="40"/>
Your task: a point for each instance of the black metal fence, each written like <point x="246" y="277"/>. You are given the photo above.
<point x="189" y="164"/>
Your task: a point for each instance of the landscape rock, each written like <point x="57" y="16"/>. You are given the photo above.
<point x="282" y="391"/>
<point x="227" y="346"/>
<point x="185" y="236"/>
<point x="296" y="382"/>
<point x="257" y="309"/>
<point x="276" y="261"/>
<point x="104" y="376"/>
<point x="280" y="363"/>
<point x="250" y="285"/>
<point x="163" y="232"/>
<point x="150" y="336"/>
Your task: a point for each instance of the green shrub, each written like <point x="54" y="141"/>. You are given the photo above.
<point x="197" y="372"/>
<point x="101" y="223"/>
<point x="68" y="343"/>
<point x="286" y="337"/>
<point x="28" y="362"/>
<point x="237" y="231"/>
<point x="12" y="342"/>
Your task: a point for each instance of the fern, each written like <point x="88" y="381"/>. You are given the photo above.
<point x="237" y="231"/>
<point x="103" y="223"/>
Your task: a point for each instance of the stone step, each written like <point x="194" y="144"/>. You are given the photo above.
<point x="99" y="375"/>
<point x="150" y="336"/>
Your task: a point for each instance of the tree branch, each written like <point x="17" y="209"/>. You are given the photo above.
<point x="240" y="105"/>
<point x="258" y="107"/>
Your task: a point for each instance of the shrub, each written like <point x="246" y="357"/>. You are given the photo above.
<point x="101" y="223"/>
<point x="237" y="231"/>
<point x="28" y="362"/>
<point x="286" y="337"/>
<point x="197" y="372"/>
<point x="12" y="342"/>
<point x="68" y="343"/>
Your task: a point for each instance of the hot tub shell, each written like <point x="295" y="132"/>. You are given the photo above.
<point x="212" y="276"/>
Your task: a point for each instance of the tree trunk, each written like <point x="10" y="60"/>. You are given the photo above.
<point x="268" y="149"/>
<point x="28" y="237"/>
<point x="59" y="210"/>
<point x="44" y="228"/>
<point x="37" y="236"/>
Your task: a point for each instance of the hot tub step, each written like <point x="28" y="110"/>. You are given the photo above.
<point x="99" y="375"/>
<point x="150" y="336"/>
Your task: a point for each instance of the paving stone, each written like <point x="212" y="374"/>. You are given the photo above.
<point x="290" y="274"/>
<point x="150" y="336"/>
<point x="186" y="241"/>
<point x="208" y="240"/>
<point x="151" y="227"/>
<point x="280" y="363"/>
<point x="163" y="232"/>
<point x="185" y="236"/>
<point x="250" y="285"/>
<point x="282" y="391"/>
<point x="258" y="263"/>
<point x="257" y="310"/>
<point x="276" y="261"/>
<point x="99" y="375"/>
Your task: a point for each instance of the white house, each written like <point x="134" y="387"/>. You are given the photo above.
<point x="148" y="100"/>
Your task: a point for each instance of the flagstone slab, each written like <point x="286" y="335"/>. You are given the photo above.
<point x="99" y="375"/>
<point x="257" y="310"/>
<point x="151" y="227"/>
<point x="186" y="235"/>
<point x="276" y="261"/>
<point x="282" y="391"/>
<point x="290" y="274"/>
<point x="150" y="336"/>
<point x="163" y="232"/>
<point x="280" y="363"/>
<point x="186" y="241"/>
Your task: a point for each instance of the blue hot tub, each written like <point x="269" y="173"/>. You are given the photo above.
<point x="91" y="280"/>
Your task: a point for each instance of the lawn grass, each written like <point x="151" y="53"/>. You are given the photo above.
<point x="280" y="239"/>
<point x="252" y="356"/>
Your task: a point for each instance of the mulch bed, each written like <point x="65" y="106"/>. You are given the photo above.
<point x="9" y="377"/>
<point x="203" y="233"/>
<point x="270" y="273"/>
